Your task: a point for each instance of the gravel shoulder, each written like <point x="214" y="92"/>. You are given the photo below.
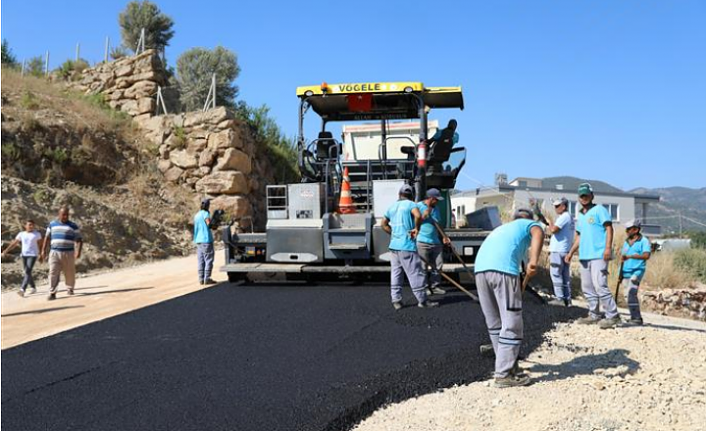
<point x="647" y="378"/>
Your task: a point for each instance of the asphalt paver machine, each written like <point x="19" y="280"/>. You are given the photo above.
<point x="308" y="236"/>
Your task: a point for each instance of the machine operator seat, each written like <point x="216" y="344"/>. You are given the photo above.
<point x="324" y="144"/>
<point x="440" y="151"/>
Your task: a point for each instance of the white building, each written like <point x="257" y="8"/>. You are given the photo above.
<point x="521" y="191"/>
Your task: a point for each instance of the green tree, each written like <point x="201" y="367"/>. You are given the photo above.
<point x="194" y="70"/>
<point x="35" y="66"/>
<point x="145" y="14"/>
<point x="8" y="58"/>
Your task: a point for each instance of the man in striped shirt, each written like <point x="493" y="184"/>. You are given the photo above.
<point x="66" y="243"/>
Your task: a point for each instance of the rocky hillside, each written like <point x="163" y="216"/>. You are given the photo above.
<point x="63" y="148"/>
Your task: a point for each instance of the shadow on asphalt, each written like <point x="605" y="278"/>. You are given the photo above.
<point x="42" y="311"/>
<point x="253" y="357"/>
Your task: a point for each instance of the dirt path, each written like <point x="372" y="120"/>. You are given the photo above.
<point x="98" y="297"/>
<point x="630" y="378"/>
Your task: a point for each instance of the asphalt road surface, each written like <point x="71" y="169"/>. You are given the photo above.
<point x="263" y="357"/>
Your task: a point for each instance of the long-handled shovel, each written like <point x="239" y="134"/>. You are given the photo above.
<point x="452" y="281"/>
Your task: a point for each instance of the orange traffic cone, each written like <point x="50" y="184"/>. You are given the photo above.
<point x="345" y="204"/>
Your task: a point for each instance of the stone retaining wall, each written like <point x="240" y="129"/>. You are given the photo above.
<point x="212" y="153"/>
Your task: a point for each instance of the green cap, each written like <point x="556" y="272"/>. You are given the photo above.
<point x="585" y="189"/>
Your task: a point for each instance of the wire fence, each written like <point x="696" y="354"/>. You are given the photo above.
<point x="168" y="97"/>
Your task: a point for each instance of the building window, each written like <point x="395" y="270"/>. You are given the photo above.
<point x="522" y="183"/>
<point x="613" y="210"/>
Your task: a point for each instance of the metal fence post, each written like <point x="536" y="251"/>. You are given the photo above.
<point x="213" y="84"/>
<point x="24" y="63"/>
<point x="107" y="48"/>
<point x="46" y="65"/>
<point x="78" y="51"/>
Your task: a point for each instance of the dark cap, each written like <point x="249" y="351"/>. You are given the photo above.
<point x="434" y="193"/>
<point x="406" y="190"/>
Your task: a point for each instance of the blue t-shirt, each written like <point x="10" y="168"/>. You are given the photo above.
<point x="202" y="234"/>
<point x="427" y="232"/>
<point x="505" y="247"/>
<point x="561" y="241"/>
<point x="593" y="233"/>
<point x="401" y="222"/>
<point x="635" y="266"/>
<point x="63" y="235"/>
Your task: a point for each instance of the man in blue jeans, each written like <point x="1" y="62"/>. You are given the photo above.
<point x="203" y="238"/>
<point x="402" y="221"/>
<point x="594" y="232"/>
<point x="30" y="253"/>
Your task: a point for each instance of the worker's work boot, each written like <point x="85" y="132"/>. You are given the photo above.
<point x="209" y="281"/>
<point x="397" y="305"/>
<point x="487" y="350"/>
<point x="428" y="304"/>
<point x="587" y="320"/>
<point x="609" y="323"/>
<point x="52" y="296"/>
<point x="438" y="291"/>
<point x="512" y="381"/>
<point x="21" y="293"/>
<point x="635" y="322"/>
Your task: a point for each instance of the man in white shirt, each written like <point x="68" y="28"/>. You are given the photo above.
<point x="29" y="239"/>
<point x="562" y="232"/>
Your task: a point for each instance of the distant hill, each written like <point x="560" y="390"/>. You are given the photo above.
<point x="690" y="203"/>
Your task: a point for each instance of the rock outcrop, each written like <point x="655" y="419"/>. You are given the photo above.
<point x="689" y="302"/>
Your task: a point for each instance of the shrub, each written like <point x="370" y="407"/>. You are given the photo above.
<point x="280" y="150"/>
<point x="28" y="100"/>
<point x="693" y="262"/>
<point x="70" y="68"/>
<point x="35" y="66"/>
<point x="180" y="137"/>
<point x="11" y="151"/>
<point x="698" y="239"/>
<point x="118" y="52"/>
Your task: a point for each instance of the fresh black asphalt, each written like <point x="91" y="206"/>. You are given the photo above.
<point x="262" y="357"/>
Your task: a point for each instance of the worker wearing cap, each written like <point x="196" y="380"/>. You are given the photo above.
<point x="634" y="254"/>
<point x="402" y="221"/>
<point x="431" y="240"/>
<point x="562" y="232"/>
<point x="497" y="271"/>
<point x="203" y="238"/>
<point x="594" y="232"/>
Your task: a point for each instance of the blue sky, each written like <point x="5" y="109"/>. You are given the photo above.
<point x="608" y="90"/>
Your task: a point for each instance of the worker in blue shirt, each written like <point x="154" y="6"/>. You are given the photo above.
<point x="594" y="242"/>
<point x="430" y="244"/>
<point x="634" y="254"/>
<point x="402" y="221"/>
<point x="497" y="271"/>
<point x="203" y="238"/>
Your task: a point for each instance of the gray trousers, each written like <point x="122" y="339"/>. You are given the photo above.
<point x="406" y="262"/>
<point x="500" y="298"/>
<point x="204" y="254"/>
<point x="560" y="272"/>
<point x="434" y="255"/>
<point x="594" y="284"/>
<point x="62" y="261"/>
<point x="631" y="286"/>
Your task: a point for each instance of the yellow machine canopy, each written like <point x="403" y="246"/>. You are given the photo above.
<point x="377" y="100"/>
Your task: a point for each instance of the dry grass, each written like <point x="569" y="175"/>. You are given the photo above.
<point x="79" y="109"/>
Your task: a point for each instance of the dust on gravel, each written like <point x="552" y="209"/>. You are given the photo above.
<point x="630" y="378"/>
